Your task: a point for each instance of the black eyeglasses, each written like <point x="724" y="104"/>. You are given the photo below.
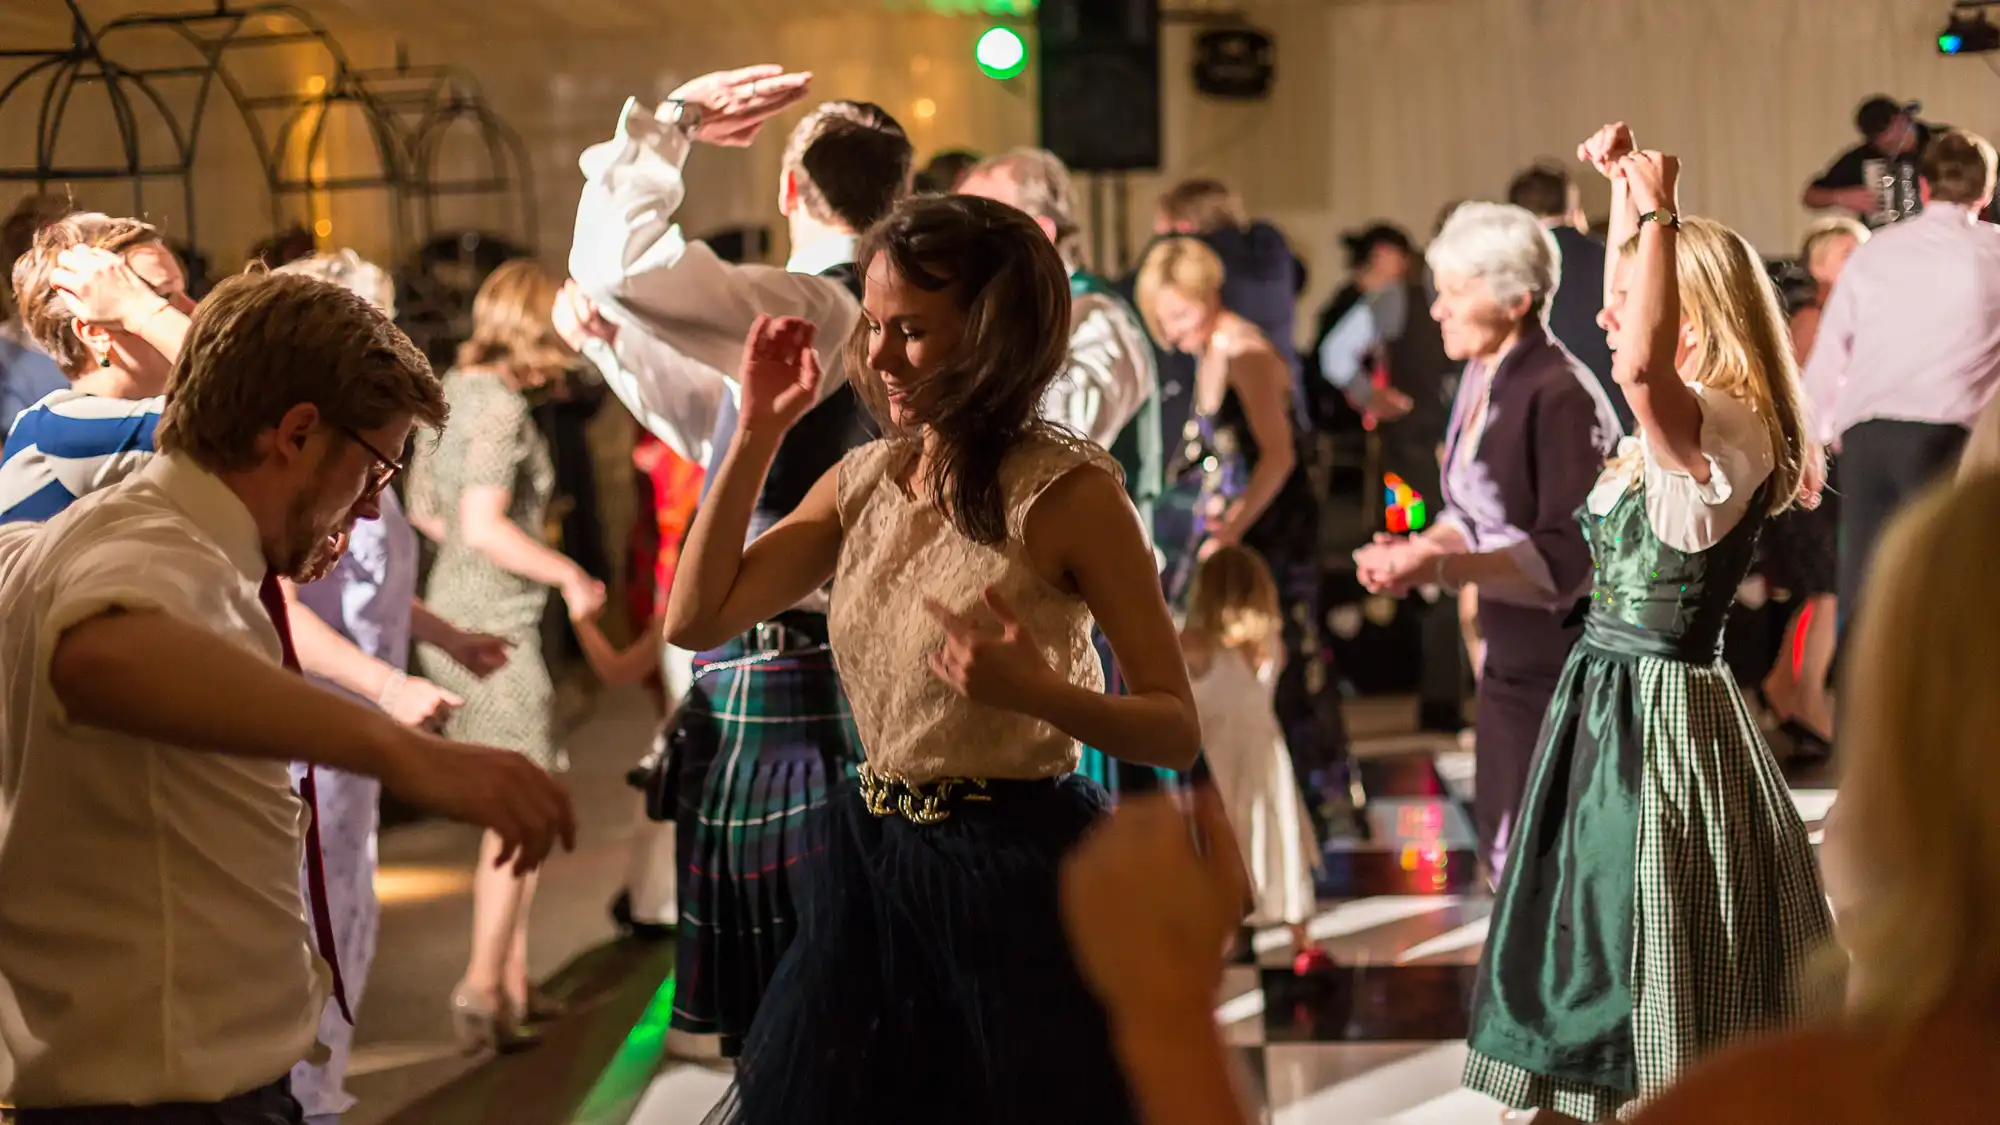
<point x="385" y="467"/>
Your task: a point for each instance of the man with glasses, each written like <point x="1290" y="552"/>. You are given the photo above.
<point x="156" y="964"/>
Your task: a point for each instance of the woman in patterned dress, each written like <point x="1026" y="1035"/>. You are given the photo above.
<point x="482" y="492"/>
<point x="969" y="551"/>
<point x="1660" y="898"/>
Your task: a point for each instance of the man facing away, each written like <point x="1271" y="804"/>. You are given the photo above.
<point x="155" y="964"/>
<point x="675" y="316"/>
<point x="1110" y="391"/>
<point x="1548" y="192"/>
<point x="1908" y="350"/>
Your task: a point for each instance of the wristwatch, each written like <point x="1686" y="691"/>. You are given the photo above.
<point x="1667" y="219"/>
<point x="684" y="115"/>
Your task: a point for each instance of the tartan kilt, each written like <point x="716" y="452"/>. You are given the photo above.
<point x="1121" y="778"/>
<point x="759" y="745"/>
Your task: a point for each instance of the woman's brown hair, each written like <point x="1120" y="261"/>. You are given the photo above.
<point x="512" y="331"/>
<point x="1006" y="276"/>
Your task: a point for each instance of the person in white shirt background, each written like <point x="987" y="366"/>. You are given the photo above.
<point x="1908" y="349"/>
<point x="1110" y="390"/>
<point x="765" y="727"/>
<point x="154" y="957"/>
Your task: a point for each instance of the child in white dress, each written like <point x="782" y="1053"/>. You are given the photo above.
<point x="1233" y="642"/>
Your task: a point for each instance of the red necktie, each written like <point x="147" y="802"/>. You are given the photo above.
<point x="274" y="604"/>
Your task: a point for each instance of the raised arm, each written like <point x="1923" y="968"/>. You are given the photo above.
<point x="101" y="288"/>
<point x="682" y="311"/>
<point x="721" y="588"/>
<point x="1602" y="151"/>
<point x="1649" y="323"/>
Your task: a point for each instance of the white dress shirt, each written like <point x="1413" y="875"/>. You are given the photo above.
<point x="153" y="944"/>
<point x="1913" y="330"/>
<point x="682" y="312"/>
<point x="1109" y="374"/>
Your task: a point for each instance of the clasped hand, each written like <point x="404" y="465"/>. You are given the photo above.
<point x="1392" y="564"/>
<point x="999" y="665"/>
<point x="1651" y="179"/>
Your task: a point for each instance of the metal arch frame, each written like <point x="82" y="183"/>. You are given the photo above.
<point x="437" y="97"/>
<point x="406" y="153"/>
<point x="503" y="147"/>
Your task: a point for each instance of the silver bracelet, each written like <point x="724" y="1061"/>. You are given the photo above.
<point x="396" y="681"/>
<point x="1438" y="573"/>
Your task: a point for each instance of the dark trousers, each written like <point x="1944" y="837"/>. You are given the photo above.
<point x="1883" y="464"/>
<point x="1307" y="694"/>
<point x="1525" y="653"/>
<point x="267" y="1105"/>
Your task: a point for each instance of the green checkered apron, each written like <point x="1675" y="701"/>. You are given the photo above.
<point x="1661" y="898"/>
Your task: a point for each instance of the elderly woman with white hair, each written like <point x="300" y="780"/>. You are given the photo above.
<point x="1529" y="431"/>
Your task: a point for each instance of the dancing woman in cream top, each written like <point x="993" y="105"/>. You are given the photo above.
<point x="969" y="551"/>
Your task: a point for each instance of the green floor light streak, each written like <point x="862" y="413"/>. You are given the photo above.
<point x="617" y="1091"/>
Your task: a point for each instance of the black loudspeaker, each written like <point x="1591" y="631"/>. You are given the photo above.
<point x="1100" y="83"/>
<point x="1235" y="63"/>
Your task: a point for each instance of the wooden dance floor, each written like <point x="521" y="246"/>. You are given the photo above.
<point x="1380" y="1039"/>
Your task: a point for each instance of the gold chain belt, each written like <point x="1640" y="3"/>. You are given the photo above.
<point x="919" y="802"/>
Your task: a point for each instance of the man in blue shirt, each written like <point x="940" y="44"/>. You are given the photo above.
<point x="26" y="376"/>
<point x="26" y="372"/>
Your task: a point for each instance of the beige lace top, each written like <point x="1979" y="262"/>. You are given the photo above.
<point x="897" y="550"/>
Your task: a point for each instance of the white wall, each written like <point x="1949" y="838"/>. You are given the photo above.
<point x="1383" y="108"/>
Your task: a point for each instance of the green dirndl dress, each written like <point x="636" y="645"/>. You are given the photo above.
<point x="1661" y="898"/>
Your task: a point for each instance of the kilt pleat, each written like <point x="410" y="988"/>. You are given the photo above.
<point x="761" y="744"/>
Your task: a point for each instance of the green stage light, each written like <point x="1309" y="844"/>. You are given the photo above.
<point x="1001" y="52"/>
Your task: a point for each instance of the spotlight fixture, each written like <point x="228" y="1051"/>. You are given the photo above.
<point x="1969" y="32"/>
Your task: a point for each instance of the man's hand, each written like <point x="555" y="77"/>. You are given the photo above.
<point x="734" y="104"/>
<point x="577" y="319"/>
<point x="492" y="788"/>
<point x="1860" y="200"/>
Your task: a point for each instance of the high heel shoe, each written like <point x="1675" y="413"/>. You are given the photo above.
<point x="483" y="1022"/>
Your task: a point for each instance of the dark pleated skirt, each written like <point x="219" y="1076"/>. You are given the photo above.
<point x="930" y="980"/>
<point x="759" y="748"/>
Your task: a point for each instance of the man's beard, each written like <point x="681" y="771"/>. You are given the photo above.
<point x="312" y="547"/>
